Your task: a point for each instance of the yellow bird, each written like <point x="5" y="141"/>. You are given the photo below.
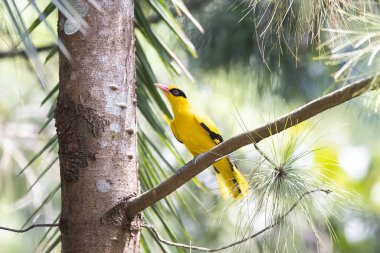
<point x="198" y="133"/>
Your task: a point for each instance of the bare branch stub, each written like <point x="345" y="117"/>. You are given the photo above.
<point x="117" y="216"/>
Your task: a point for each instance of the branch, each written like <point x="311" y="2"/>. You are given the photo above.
<point x="136" y="204"/>
<point x="29" y="228"/>
<point x="20" y="52"/>
<point x="180" y="245"/>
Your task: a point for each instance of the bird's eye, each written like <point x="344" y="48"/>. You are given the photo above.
<point x="177" y="93"/>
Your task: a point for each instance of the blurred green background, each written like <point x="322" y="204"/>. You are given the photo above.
<point x="243" y="76"/>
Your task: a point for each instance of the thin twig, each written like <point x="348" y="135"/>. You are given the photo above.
<point x="29" y="228"/>
<point x="20" y="52"/>
<point x="191" y="247"/>
<point x="175" y="244"/>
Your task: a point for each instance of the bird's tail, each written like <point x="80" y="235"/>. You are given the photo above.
<point x="230" y="180"/>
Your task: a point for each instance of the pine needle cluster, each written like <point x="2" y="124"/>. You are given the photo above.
<point x="292" y="192"/>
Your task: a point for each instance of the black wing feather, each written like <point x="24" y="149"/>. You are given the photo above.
<point x="217" y="138"/>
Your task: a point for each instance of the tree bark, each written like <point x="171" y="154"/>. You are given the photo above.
<point x="96" y="127"/>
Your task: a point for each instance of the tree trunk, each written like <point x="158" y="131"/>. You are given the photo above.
<point x="96" y="126"/>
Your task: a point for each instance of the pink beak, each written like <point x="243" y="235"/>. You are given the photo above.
<point x="162" y="87"/>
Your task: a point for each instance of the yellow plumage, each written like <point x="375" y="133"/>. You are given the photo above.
<point x="199" y="134"/>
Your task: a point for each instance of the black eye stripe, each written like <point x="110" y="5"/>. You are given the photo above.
<point x="177" y="92"/>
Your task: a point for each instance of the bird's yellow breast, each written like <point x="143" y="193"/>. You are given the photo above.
<point x="188" y="130"/>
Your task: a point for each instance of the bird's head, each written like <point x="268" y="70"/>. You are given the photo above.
<point x="175" y="96"/>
